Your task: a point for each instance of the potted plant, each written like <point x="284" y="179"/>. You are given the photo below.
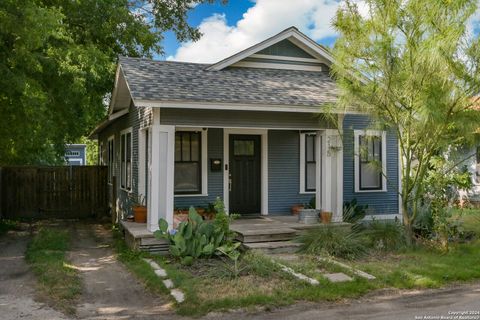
<point x="326" y="217"/>
<point x="139" y="210"/>
<point x="308" y="215"/>
<point x="296" y="209"/>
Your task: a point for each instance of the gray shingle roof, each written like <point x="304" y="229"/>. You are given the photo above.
<point x="190" y="82"/>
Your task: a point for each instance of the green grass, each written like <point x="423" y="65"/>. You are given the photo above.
<point x="134" y="262"/>
<point x="7" y="225"/>
<point x="57" y="280"/>
<point x="208" y="287"/>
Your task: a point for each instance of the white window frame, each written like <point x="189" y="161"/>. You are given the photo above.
<point x="111" y="166"/>
<point x="204" y="164"/>
<point x="376" y="133"/>
<point x="302" y="162"/>
<point x="123" y="135"/>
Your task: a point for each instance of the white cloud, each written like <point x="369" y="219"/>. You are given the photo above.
<point x="264" y="19"/>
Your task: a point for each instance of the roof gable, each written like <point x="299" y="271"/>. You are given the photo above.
<point x="289" y="49"/>
<point x="285" y="48"/>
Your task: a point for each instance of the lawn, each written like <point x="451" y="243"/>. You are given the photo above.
<point x="57" y="281"/>
<point x="209" y="286"/>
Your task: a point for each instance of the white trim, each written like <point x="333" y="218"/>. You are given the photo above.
<point x="283" y="58"/>
<point x="204" y="159"/>
<point x="291" y="34"/>
<point x="75" y="159"/>
<point x="142" y="148"/>
<point x="339" y="174"/>
<point x="326" y="170"/>
<point x="357" y="134"/>
<point x="118" y="114"/>
<point x="319" y="171"/>
<point x="124" y="133"/>
<point x="370" y="217"/>
<point x="272" y="65"/>
<point x="263" y="133"/>
<point x="302" y="162"/>
<point x="234" y="106"/>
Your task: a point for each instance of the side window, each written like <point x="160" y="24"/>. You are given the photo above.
<point x="370" y="162"/>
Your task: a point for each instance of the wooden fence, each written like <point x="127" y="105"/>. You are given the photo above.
<point x="60" y="192"/>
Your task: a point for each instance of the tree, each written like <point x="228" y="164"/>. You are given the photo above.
<point x="413" y="66"/>
<point x="57" y="61"/>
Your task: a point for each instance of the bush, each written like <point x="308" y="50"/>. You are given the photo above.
<point x="333" y="241"/>
<point x="385" y="235"/>
<point x="353" y="212"/>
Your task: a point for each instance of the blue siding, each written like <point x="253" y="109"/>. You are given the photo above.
<point x="215" y="179"/>
<point x="378" y="202"/>
<point x="284" y="172"/>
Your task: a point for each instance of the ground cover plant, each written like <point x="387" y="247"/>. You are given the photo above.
<point x="57" y="280"/>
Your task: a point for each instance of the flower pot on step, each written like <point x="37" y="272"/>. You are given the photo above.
<point x="296" y="209"/>
<point x="326" y="217"/>
<point x="140" y="214"/>
<point x="308" y="216"/>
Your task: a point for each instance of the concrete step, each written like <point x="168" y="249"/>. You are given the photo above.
<point x="274" y="247"/>
<point x="145" y="241"/>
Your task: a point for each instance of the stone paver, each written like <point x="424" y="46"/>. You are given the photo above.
<point x="178" y="295"/>
<point x="337" y="277"/>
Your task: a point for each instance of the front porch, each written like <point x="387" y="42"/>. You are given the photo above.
<point x="271" y="234"/>
<point x="261" y="171"/>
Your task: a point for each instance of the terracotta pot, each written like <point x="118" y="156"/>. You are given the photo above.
<point x="296" y="209"/>
<point x="200" y="211"/>
<point x="326" y="217"/>
<point x="140" y="214"/>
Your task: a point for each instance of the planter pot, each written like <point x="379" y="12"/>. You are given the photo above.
<point x="178" y="218"/>
<point x="308" y="216"/>
<point x="296" y="209"/>
<point x="326" y="217"/>
<point x="140" y="214"/>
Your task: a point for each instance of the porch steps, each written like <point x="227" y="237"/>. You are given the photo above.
<point x="266" y="235"/>
<point x="138" y="237"/>
<point x="274" y="247"/>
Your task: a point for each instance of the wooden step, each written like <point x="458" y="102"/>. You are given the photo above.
<point x="274" y="247"/>
<point x="266" y="235"/>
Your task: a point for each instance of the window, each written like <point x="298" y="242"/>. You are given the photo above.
<point x="126" y="160"/>
<point x="110" y="157"/>
<point x="308" y="162"/>
<point x="100" y="154"/>
<point x="370" y="161"/>
<point x="188" y="163"/>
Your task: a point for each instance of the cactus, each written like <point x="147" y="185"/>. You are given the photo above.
<point x="193" y="238"/>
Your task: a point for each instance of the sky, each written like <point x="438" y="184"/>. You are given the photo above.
<point x="240" y="24"/>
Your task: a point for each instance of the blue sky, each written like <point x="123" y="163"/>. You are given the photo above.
<point x="240" y="24"/>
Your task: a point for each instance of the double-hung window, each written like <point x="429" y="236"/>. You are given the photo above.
<point x="477" y="165"/>
<point x="370" y="162"/>
<point x="110" y="157"/>
<point x="308" y="162"/>
<point x="188" y="162"/>
<point x="126" y="159"/>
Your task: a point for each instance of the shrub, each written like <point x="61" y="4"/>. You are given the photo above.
<point x="385" y="235"/>
<point x="193" y="238"/>
<point x="333" y="241"/>
<point x="353" y="212"/>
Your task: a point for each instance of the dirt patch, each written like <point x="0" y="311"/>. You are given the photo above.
<point x="109" y="290"/>
<point x="18" y="299"/>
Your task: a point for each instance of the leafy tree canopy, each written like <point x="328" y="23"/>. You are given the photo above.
<point x="57" y="61"/>
<point x="414" y="66"/>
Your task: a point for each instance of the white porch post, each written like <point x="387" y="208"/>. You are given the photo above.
<point x="338" y="216"/>
<point x="326" y="164"/>
<point x="160" y="192"/>
<point x="319" y="186"/>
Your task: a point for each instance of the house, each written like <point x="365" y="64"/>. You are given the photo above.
<point x="76" y="154"/>
<point x="257" y="129"/>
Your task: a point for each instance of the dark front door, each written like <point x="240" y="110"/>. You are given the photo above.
<point x="245" y="173"/>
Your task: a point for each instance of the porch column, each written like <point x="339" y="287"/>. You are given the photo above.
<point x="332" y="170"/>
<point x="160" y="191"/>
<point x="319" y="186"/>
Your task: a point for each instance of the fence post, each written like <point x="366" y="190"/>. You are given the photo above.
<point x="114" y="200"/>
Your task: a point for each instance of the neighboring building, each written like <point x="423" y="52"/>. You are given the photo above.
<point x="76" y="154"/>
<point x="248" y="129"/>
